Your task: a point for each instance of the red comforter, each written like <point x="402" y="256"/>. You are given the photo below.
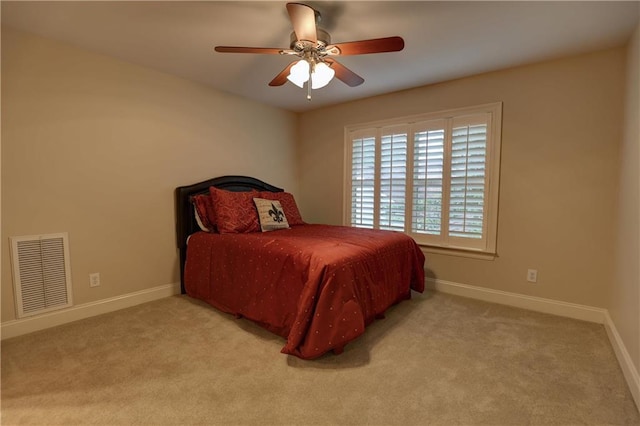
<point x="318" y="286"/>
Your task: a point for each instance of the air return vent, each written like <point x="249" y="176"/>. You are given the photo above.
<point x="41" y="273"/>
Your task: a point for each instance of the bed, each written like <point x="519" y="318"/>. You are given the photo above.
<point x="317" y="286"/>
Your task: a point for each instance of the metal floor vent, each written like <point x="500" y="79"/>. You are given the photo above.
<point x="41" y="273"/>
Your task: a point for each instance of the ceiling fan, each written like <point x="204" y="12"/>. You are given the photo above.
<point x="313" y="45"/>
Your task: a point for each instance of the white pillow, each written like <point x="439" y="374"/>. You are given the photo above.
<point x="271" y="214"/>
<point x="199" y="221"/>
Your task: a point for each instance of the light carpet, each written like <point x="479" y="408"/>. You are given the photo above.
<point x="436" y="359"/>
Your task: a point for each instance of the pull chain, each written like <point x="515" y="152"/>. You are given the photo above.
<point x="309" y="82"/>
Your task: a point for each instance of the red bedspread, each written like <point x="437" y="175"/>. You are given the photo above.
<point x="318" y="286"/>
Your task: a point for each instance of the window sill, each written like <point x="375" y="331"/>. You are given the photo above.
<point x="458" y="252"/>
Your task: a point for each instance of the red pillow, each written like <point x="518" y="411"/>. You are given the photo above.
<point x="204" y="210"/>
<point x="288" y="204"/>
<point x="235" y="212"/>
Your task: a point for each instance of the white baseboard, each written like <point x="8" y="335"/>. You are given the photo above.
<point x="532" y="303"/>
<point x="549" y="306"/>
<point x="624" y="359"/>
<point x="51" y="319"/>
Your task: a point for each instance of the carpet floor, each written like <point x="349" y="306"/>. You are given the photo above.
<point x="434" y="360"/>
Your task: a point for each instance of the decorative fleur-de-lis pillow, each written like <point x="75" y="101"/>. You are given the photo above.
<point x="271" y="214"/>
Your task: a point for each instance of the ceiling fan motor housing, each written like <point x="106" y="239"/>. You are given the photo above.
<point x="324" y="39"/>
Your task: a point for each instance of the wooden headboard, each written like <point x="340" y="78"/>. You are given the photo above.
<point x="185" y="219"/>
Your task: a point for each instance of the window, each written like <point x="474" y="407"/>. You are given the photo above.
<point x="434" y="177"/>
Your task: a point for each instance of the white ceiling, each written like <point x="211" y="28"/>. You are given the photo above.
<point x="443" y="40"/>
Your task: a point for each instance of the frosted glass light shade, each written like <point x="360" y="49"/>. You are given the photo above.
<point x="321" y="75"/>
<point x="299" y="73"/>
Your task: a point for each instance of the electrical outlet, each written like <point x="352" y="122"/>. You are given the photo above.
<point x="94" y="279"/>
<point x="532" y="275"/>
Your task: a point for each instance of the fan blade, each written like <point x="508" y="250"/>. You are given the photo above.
<point x="376" y="45"/>
<point x="281" y="78"/>
<point x="303" y="19"/>
<point x="344" y="74"/>
<point x="236" y="49"/>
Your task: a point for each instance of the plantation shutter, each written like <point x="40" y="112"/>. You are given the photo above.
<point x="434" y="177"/>
<point x="393" y="177"/>
<point x="468" y="174"/>
<point x="428" y="180"/>
<point x="363" y="173"/>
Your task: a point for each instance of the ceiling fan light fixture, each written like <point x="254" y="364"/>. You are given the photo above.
<point x="299" y="73"/>
<point x="313" y="45"/>
<point x="321" y="76"/>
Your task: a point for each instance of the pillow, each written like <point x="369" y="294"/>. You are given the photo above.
<point x="234" y="212"/>
<point x="288" y="204"/>
<point x="203" y="211"/>
<point x="271" y="214"/>
<point x="201" y="225"/>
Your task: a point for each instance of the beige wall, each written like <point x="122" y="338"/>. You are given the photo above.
<point x="561" y="131"/>
<point x="625" y="292"/>
<point x="95" y="147"/>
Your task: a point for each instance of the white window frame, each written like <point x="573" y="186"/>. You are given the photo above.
<point x="444" y="243"/>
